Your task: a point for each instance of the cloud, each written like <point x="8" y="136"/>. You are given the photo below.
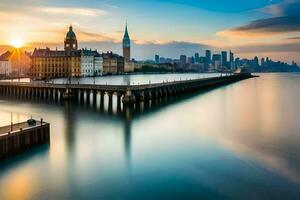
<point x="294" y="38"/>
<point x="272" y="25"/>
<point x="259" y="48"/>
<point x="285" y="19"/>
<point x="74" y="11"/>
<point x="226" y="6"/>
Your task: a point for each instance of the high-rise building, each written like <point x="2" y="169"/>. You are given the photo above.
<point x="126" y="45"/>
<point x="208" y="56"/>
<point x="216" y="61"/>
<point x="157" y="59"/>
<point x="197" y="58"/>
<point x="231" y="60"/>
<point x="262" y="62"/>
<point x="224" y="58"/>
<point x="183" y="59"/>
<point x="190" y="60"/>
<point x="71" y="43"/>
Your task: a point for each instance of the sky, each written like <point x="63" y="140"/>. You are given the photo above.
<point x="165" y="27"/>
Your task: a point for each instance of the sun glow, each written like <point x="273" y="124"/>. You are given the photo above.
<point x="17" y="43"/>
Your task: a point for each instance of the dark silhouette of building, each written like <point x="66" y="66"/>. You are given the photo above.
<point x="157" y="59"/>
<point x="231" y="60"/>
<point x="183" y="59"/>
<point x="208" y="56"/>
<point x="224" y="58"/>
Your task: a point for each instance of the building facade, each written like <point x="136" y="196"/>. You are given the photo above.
<point x="216" y="61"/>
<point x="46" y="63"/>
<point x="5" y="65"/>
<point x="112" y="63"/>
<point x="91" y="63"/>
<point x="224" y="58"/>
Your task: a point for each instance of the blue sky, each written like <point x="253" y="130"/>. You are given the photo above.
<point x="167" y="27"/>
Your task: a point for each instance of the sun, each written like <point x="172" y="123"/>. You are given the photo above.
<point x="16" y="42"/>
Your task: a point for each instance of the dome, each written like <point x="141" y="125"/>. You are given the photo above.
<point x="71" y="34"/>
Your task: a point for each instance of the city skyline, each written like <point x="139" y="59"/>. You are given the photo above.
<point x="257" y="28"/>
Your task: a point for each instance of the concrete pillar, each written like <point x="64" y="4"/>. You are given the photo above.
<point x="129" y="98"/>
<point x="110" y="100"/>
<point x="81" y="96"/>
<point x="102" y="93"/>
<point x="147" y="97"/>
<point x="95" y="92"/>
<point x="88" y="97"/>
<point x="67" y="95"/>
<point x="119" y="96"/>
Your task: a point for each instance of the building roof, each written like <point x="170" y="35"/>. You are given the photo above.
<point x="89" y="52"/>
<point x="71" y="34"/>
<point x="5" y="56"/>
<point x="111" y="55"/>
<point x="126" y="38"/>
<point x="54" y="53"/>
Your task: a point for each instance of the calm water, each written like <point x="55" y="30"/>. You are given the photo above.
<point x="240" y="141"/>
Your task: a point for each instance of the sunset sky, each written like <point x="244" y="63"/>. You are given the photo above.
<point x="166" y="27"/>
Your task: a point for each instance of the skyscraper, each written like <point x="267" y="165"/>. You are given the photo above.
<point x="208" y="56"/>
<point x="183" y="59"/>
<point x="224" y="58"/>
<point x="126" y="46"/>
<point x="216" y="61"/>
<point x="231" y="60"/>
<point x="157" y="59"/>
<point x="197" y="58"/>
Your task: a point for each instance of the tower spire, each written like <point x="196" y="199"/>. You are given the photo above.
<point x="126" y="44"/>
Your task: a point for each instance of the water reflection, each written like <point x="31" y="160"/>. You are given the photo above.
<point x="223" y="143"/>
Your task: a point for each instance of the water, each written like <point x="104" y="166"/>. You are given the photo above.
<point x="239" y="141"/>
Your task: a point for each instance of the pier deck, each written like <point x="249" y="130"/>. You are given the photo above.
<point x="127" y="94"/>
<point x="20" y="137"/>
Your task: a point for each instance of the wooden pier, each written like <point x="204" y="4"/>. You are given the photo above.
<point x="19" y="137"/>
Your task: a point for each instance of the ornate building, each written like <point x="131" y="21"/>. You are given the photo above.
<point x="48" y="63"/>
<point x="126" y="46"/>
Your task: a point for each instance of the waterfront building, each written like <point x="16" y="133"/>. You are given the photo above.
<point x="216" y="61"/>
<point x="157" y="59"/>
<point x="126" y="45"/>
<point x="91" y="63"/>
<point x="183" y="59"/>
<point x="208" y="56"/>
<point x="5" y="64"/>
<point x="190" y="60"/>
<point x="48" y="63"/>
<point x="197" y="58"/>
<point x="224" y="59"/>
<point x="112" y="63"/>
<point x="231" y="60"/>
<point x="16" y="63"/>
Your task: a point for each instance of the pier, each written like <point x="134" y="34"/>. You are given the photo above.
<point x="17" y="138"/>
<point x="126" y="94"/>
